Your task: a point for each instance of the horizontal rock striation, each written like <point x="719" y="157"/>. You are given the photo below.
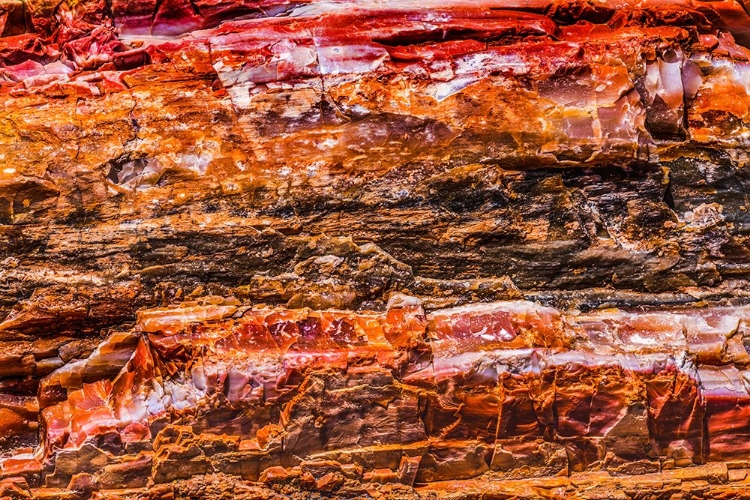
<point x="323" y="399"/>
<point x="441" y="249"/>
<point x="445" y="137"/>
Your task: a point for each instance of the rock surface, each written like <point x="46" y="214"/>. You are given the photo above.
<point x="398" y="249"/>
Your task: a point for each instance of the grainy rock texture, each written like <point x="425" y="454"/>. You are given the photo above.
<point x="374" y="249"/>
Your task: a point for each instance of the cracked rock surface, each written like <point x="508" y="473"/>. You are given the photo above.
<point x="374" y="249"/>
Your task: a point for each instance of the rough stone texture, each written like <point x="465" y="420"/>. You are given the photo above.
<point x="399" y="249"/>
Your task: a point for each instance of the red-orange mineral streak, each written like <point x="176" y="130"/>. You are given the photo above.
<point x="509" y="387"/>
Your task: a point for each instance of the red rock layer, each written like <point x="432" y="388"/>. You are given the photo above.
<point x="507" y="389"/>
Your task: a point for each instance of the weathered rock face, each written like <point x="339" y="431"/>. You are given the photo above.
<point x="437" y="249"/>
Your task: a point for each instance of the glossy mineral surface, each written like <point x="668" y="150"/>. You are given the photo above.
<point x="374" y="249"/>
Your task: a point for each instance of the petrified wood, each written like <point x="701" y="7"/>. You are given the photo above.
<point x="397" y="249"/>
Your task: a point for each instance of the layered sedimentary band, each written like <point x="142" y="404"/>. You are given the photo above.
<point x="409" y="249"/>
<point x="567" y="148"/>
<point x="498" y="390"/>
